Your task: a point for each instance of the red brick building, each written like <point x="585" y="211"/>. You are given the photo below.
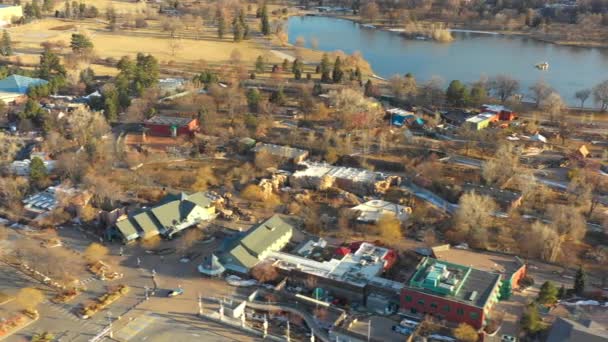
<point x="456" y="293"/>
<point x="171" y="126"/>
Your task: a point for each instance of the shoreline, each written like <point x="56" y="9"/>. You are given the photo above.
<point x="462" y="29"/>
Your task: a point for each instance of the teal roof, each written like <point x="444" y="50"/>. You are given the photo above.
<point x="19" y="84"/>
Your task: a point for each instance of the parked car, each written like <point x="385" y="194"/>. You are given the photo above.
<point x="408" y="323"/>
<point x="177" y="292"/>
<point x="402" y="330"/>
<point x="508" y="338"/>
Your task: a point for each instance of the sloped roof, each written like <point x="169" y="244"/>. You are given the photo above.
<point x="566" y="330"/>
<point x="146" y="223"/>
<point x="173" y="213"/>
<point x="19" y="84"/>
<point x="244" y="252"/>
<point x="126" y="228"/>
<point x="260" y="237"/>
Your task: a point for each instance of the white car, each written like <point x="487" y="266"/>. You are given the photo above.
<point x="508" y="338"/>
<point x="237" y="281"/>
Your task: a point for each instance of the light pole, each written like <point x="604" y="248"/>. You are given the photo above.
<point x="146" y="289"/>
<point x="200" y="305"/>
<point x="110" y="324"/>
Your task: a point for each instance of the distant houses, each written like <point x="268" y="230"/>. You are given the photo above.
<point x="172" y="214"/>
<point x="8" y="13"/>
<point x="14" y="88"/>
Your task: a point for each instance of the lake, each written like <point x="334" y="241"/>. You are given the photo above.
<point x="467" y="58"/>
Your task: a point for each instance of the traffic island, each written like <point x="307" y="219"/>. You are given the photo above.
<point x="103" y="301"/>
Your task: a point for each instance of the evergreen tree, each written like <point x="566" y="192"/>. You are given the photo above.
<point x="110" y="102"/>
<point x="237" y="31"/>
<point x="505" y="290"/>
<point x="259" y="65"/>
<point x="579" y="281"/>
<point x="561" y="293"/>
<point x="325" y="69"/>
<point x="369" y="88"/>
<point x="477" y="95"/>
<point x="317" y="89"/>
<point x="298" y="74"/>
<point x="38" y="171"/>
<point x="47" y="5"/>
<point x="67" y="11"/>
<point x="285" y="65"/>
<point x="80" y="43"/>
<point x="297" y="65"/>
<point x="253" y="99"/>
<point x="36" y="11"/>
<point x="278" y="97"/>
<point x="221" y="26"/>
<point x="6" y="45"/>
<point x="50" y="66"/>
<point x="456" y="95"/>
<point x="337" y="73"/>
<point x="547" y="293"/>
<point x="265" y="25"/>
<point x="358" y="75"/>
<point x="244" y="24"/>
<point x="530" y="320"/>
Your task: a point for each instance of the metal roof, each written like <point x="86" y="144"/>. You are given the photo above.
<point x="168" y="120"/>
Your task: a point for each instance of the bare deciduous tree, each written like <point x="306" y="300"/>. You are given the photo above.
<point x="264" y="272"/>
<point x="473" y="218"/>
<point x="498" y="170"/>
<point x="504" y="86"/>
<point x="95" y="252"/>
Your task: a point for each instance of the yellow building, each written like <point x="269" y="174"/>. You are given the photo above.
<point x="8" y="12"/>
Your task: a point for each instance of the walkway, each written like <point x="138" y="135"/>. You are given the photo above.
<point x="308" y="318"/>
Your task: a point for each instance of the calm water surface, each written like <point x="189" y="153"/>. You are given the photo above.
<point x="467" y="58"/>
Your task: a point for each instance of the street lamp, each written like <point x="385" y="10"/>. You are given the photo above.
<point x="110" y="324"/>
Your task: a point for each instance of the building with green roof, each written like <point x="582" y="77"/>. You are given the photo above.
<point x="170" y="215"/>
<point x="269" y="236"/>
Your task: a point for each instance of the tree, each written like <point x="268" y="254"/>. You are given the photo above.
<point x="475" y="215"/>
<point x="554" y="105"/>
<point x="504" y="87"/>
<point x="253" y="99"/>
<point x="540" y="241"/>
<point x="38" y="171"/>
<point x="29" y="298"/>
<point x="505" y="290"/>
<point x="432" y="91"/>
<point x="404" y="88"/>
<point x="264" y="272"/>
<point x="205" y="177"/>
<point x="539" y="92"/>
<point x="600" y="95"/>
<point x="81" y="44"/>
<point x="561" y="293"/>
<point x="325" y="69"/>
<point x="579" y="281"/>
<point x="237" y="30"/>
<point x="582" y="95"/>
<point x="265" y="24"/>
<point x="531" y="321"/>
<point x="370" y="89"/>
<point x="478" y="95"/>
<point x="278" y="97"/>
<point x="457" y="94"/>
<point x="389" y="228"/>
<point x="500" y="169"/>
<point x="547" y="293"/>
<point x="111" y="104"/>
<point x="370" y="11"/>
<point x="260" y="66"/>
<point x="95" y="252"/>
<point x="221" y="25"/>
<point x="6" y="45"/>
<point x="337" y="73"/>
<point x="465" y="333"/>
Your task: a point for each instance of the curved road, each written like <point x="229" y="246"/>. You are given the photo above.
<point x="308" y="318"/>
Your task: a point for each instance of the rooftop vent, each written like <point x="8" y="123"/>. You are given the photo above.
<point x="473" y="296"/>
